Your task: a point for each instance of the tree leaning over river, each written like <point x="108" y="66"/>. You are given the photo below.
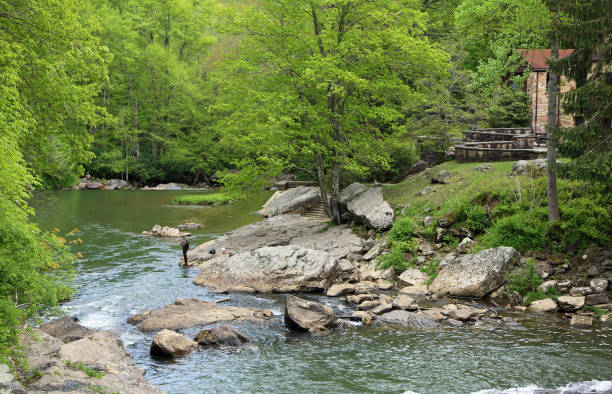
<point x="331" y="79"/>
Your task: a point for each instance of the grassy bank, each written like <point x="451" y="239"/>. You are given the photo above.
<point x="496" y="209"/>
<point x="203" y="199"/>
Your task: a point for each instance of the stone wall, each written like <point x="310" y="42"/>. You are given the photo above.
<point x="536" y="88"/>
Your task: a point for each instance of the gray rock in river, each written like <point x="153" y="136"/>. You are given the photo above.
<point x="223" y="335"/>
<point x="171" y="344"/>
<point x="304" y="315"/>
<point x="191" y="312"/>
<point x="338" y="241"/>
<point x="410" y="319"/>
<point x="290" y="200"/>
<point x="475" y="275"/>
<point x="367" y="205"/>
<point x="271" y="270"/>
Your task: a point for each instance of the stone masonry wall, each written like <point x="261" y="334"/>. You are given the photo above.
<point x="536" y="88"/>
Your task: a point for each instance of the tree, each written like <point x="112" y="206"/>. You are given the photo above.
<point x="586" y="26"/>
<point x="553" y="123"/>
<point x="333" y="77"/>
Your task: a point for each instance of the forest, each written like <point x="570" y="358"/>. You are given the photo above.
<point x="238" y="92"/>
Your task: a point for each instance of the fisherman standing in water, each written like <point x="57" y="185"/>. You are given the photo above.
<point x="185" y="244"/>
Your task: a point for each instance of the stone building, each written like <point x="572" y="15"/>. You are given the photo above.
<point x="536" y="87"/>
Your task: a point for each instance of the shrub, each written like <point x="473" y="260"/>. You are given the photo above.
<point x="473" y="215"/>
<point x="403" y="230"/>
<point x="523" y="231"/>
<point x="524" y="279"/>
<point x="431" y="269"/>
<point x="395" y="259"/>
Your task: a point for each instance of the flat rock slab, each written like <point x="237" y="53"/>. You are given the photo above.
<point x="271" y="269"/>
<point x="475" y="275"/>
<point x="410" y="319"/>
<point x="338" y="241"/>
<point x="191" y="312"/>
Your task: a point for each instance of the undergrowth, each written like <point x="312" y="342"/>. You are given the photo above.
<point x="203" y="199"/>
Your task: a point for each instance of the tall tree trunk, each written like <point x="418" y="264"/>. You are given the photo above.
<point x="551" y="146"/>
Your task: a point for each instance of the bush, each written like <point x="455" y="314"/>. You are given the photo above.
<point x="524" y="279"/>
<point x="473" y="215"/>
<point x="395" y="259"/>
<point x="431" y="269"/>
<point x="203" y="199"/>
<point x="403" y="230"/>
<point x="523" y="231"/>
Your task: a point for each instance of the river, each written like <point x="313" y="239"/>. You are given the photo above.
<point x="123" y="272"/>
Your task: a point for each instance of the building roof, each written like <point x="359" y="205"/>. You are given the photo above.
<point x="537" y="57"/>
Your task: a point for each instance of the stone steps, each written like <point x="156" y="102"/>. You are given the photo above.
<point x="317" y="212"/>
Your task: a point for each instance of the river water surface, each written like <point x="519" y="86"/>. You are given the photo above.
<point x="123" y="272"/>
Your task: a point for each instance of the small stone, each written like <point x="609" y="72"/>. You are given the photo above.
<point x="599" y="285"/>
<point x="382" y="308"/>
<point x="569" y="303"/>
<point x="458" y="312"/>
<point x="447" y="219"/>
<point x="359" y="298"/>
<point x="581" y="321"/>
<point x="545" y="305"/>
<point x="428" y="221"/>
<point x="366" y="319"/>
<point x="564" y="285"/>
<point x="454" y="323"/>
<point x="593" y="270"/>
<point x="405" y="302"/>
<point x="168" y="343"/>
<point x="595" y="299"/>
<point x="484" y="167"/>
<point x="580" y="291"/>
<point x="520" y="308"/>
<point x="340" y="289"/>
<point x="367" y="305"/>
<point x="547" y="285"/>
<point x="418" y="291"/>
<point x="442" y="177"/>
<point x="318" y="330"/>
<point x="364" y="287"/>
<point x="355" y="257"/>
<point x="464" y="245"/>
<point x="412" y="277"/>
<point x="384" y="285"/>
<point x="434" y="314"/>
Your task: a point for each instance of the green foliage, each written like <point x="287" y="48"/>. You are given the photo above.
<point x="598" y="311"/>
<point x="470" y="213"/>
<point x="395" y="259"/>
<point x="524" y="279"/>
<point x="431" y="269"/>
<point x="403" y="230"/>
<point x="523" y="231"/>
<point x="203" y="199"/>
<point x="532" y="296"/>
<point x="511" y="108"/>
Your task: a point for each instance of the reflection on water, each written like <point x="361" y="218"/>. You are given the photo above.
<point x="124" y="272"/>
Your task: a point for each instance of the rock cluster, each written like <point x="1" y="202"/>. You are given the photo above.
<point x="64" y="362"/>
<point x="165" y="231"/>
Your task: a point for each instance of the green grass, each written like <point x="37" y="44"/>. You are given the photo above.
<point x="599" y="311"/>
<point x="92" y="373"/>
<point x="464" y="176"/>
<point x="203" y="199"/>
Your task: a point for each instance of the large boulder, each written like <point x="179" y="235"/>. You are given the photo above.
<point x="535" y="167"/>
<point x="475" y="275"/>
<point x="101" y="351"/>
<point x="271" y="269"/>
<point x="66" y="329"/>
<point x="410" y="319"/>
<point x="338" y="241"/>
<point x="290" y="200"/>
<point x="191" y="312"/>
<point x="367" y="205"/>
<point x="116" y="184"/>
<point x="171" y="344"/>
<point x="304" y="315"/>
<point x="223" y="335"/>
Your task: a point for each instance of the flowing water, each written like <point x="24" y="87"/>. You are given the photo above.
<point x="123" y="272"/>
